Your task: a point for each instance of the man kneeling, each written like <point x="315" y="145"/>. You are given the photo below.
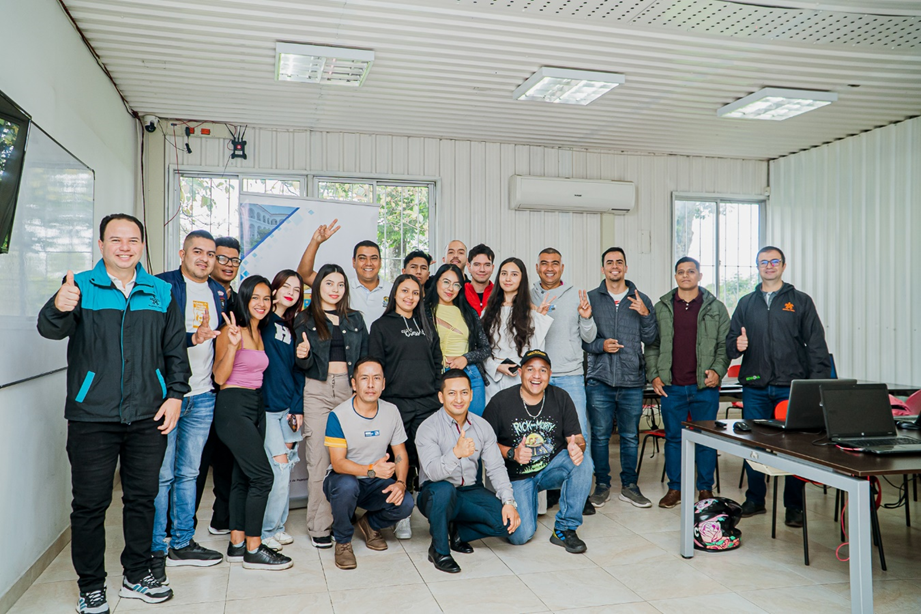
<point x="451" y="444"/>
<point x="539" y="435"/>
<point x="357" y="435"/>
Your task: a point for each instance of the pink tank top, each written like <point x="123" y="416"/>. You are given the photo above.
<point x="248" y="366"/>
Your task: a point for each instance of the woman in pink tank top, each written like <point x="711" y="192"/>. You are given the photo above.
<point x="239" y="419"/>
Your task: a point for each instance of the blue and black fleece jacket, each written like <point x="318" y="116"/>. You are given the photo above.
<point x="124" y="355"/>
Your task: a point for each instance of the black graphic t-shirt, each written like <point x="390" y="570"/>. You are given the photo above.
<point x="545" y="433"/>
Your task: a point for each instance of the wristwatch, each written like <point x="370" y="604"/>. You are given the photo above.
<point x="511" y="502"/>
<point x="510" y="454"/>
<point x="371" y="473"/>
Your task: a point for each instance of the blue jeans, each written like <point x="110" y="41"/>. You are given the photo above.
<point x="478" y="400"/>
<point x="681" y="402"/>
<point x="475" y="511"/>
<point x="760" y="403"/>
<point x="605" y="402"/>
<point x="575" y="484"/>
<point x="575" y="386"/>
<point x="179" y="472"/>
<point x="277" y="434"/>
<point x="345" y="493"/>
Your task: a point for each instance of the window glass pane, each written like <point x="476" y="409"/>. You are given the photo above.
<point x="342" y="190"/>
<point x="402" y="225"/>
<point x="738" y="245"/>
<point x="209" y="203"/>
<point x="695" y="236"/>
<point x="281" y="187"/>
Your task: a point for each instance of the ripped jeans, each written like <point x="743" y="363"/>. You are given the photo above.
<point x="277" y="434"/>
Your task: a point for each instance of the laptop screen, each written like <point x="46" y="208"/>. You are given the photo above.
<point x="861" y="410"/>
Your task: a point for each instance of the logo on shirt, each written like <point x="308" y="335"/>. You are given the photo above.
<point x="282" y="333"/>
<point x="385" y="301"/>
<point x="789" y="307"/>
<point x="199" y="309"/>
<point x="372" y="433"/>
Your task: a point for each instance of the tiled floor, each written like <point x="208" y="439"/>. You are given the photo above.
<point x="632" y="566"/>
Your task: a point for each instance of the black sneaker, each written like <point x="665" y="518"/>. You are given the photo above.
<point x="93" y="602"/>
<point x="588" y="509"/>
<point x="750" y="508"/>
<point x="235" y="553"/>
<point x="793" y="518"/>
<point x="569" y="540"/>
<point x="322" y="542"/>
<point x="266" y="558"/>
<point x="158" y="567"/>
<point x="147" y="589"/>
<point x="193" y="555"/>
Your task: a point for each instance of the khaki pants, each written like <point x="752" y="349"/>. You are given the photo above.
<point x="320" y="398"/>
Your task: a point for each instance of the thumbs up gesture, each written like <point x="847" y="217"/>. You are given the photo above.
<point x="742" y="341"/>
<point x="465" y="446"/>
<point x="384" y="469"/>
<point x="303" y="348"/>
<point x="575" y="450"/>
<point x="68" y="296"/>
<point x="523" y="453"/>
<point x="204" y="332"/>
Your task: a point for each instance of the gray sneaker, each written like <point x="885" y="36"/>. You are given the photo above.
<point x="602" y="494"/>
<point x="631" y="494"/>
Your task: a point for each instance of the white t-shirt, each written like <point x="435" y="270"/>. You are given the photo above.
<point x="371" y="303"/>
<point x="618" y="297"/>
<point x="201" y="357"/>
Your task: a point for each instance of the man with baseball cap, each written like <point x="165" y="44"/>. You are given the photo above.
<point x="538" y="433"/>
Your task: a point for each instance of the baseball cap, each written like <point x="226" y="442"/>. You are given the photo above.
<point x="531" y="354"/>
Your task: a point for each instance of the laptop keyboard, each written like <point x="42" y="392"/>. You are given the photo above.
<point x="887" y="441"/>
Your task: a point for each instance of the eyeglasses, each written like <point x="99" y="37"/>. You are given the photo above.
<point x="774" y="262"/>
<point x="447" y="283"/>
<point x="235" y="262"/>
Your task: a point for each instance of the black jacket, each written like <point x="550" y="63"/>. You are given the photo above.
<point x="125" y="355"/>
<point x="316" y="365"/>
<point x="177" y="283"/>
<point x="785" y="342"/>
<point x="412" y="361"/>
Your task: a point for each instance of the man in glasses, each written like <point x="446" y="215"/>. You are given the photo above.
<point x="780" y="338"/>
<point x="228" y="262"/>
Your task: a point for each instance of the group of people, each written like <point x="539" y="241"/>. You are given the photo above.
<point x="453" y="391"/>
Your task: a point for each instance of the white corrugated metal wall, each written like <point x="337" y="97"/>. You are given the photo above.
<point x="472" y="190"/>
<point x="848" y="216"/>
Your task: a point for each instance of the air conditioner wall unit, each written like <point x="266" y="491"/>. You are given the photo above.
<point x="580" y="195"/>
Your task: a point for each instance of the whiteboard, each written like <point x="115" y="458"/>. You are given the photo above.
<point x="52" y="232"/>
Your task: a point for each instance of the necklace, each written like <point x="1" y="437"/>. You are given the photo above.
<point x="533" y="417"/>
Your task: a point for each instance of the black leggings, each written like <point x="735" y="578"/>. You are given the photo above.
<point x="239" y="418"/>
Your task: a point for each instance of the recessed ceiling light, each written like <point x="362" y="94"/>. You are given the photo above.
<point x="567" y="86"/>
<point x="316" y="64"/>
<point x="777" y="104"/>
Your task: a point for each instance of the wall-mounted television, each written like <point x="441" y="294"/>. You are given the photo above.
<point x="14" y="130"/>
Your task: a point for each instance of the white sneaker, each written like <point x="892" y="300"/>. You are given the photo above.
<point x="272" y="543"/>
<point x="404" y="529"/>
<point x="283" y="538"/>
<point x="542" y="503"/>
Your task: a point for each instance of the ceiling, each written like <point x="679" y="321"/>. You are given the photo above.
<point x="447" y="68"/>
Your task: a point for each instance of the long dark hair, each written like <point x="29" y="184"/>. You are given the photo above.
<point x="315" y="310"/>
<point x="520" y="327"/>
<point x="418" y="311"/>
<point x="431" y="301"/>
<point x="239" y="304"/>
<point x="291" y="312"/>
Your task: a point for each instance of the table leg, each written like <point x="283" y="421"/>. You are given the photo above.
<point x="688" y="495"/>
<point x="861" y="568"/>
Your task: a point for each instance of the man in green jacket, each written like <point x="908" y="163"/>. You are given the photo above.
<point x="685" y="365"/>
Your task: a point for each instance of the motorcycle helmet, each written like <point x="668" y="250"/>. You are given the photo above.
<point x="715" y="523"/>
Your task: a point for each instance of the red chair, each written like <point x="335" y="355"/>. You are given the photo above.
<point x="733" y="372"/>
<point x="914" y="403"/>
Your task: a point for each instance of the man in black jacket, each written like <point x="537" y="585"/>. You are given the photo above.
<point x="780" y="338"/>
<point x="127" y="373"/>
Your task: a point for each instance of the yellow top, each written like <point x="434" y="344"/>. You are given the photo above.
<point x="452" y="330"/>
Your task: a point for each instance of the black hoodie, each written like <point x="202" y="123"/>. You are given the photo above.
<point x="412" y="361"/>
<point x="785" y="342"/>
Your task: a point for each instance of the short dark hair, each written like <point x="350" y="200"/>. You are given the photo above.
<point x="416" y="253"/>
<point x="120" y="216"/>
<point x="197" y="234"/>
<point x="481" y="250"/>
<point x="367" y="243"/>
<point x="687" y="259"/>
<point x="430" y="258"/>
<point x="771" y="248"/>
<point x="229" y="243"/>
<point x="363" y="361"/>
<point x="454" y="374"/>
<point x="550" y="250"/>
<point x="614" y="249"/>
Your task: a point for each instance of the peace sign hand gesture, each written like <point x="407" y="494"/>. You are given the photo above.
<point x="324" y="232"/>
<point x="545" y="305"/>
<point x="234" y="333"/>
<point x="303" y="348"/>
<point x="204" y="332"/>
<point x="637" y="304"/>
<point x="585" y="307"/>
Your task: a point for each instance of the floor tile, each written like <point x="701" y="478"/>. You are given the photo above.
<point x="303" y="578"/>
<point x="375" y="569"/>
<point x="486" y="596"/>
<point x="577" y="588"/>
<point x="799" y="599"/>
<point x="482" y="563"/>
<point x="665" y="580"/>
<point x="317" y="603"/>
<point x="707" y="605"/>
<point x="411" y="599"/>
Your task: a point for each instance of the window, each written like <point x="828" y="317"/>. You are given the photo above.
<point x="278" y="187"/>
<point x="208" y="203"/>
<point x="724" y="236"/>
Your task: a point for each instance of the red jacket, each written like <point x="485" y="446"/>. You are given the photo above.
<point x="473" y="299"/>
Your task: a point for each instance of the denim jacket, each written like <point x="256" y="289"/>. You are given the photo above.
<point x="316" y="365"/>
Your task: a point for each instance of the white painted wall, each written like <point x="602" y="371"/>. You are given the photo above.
<point x="48" y="71"/>
<point x="472" y="190"/>
<point x="848" y="217"/>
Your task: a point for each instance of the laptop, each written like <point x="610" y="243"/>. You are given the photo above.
<point x="859" y="416"/>
<point x="804" y="409"/>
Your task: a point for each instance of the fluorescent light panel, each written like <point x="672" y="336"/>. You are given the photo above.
<point x="775" y="103"/>
<point x="317" y="64"/>
<point x="567" y="86"/>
